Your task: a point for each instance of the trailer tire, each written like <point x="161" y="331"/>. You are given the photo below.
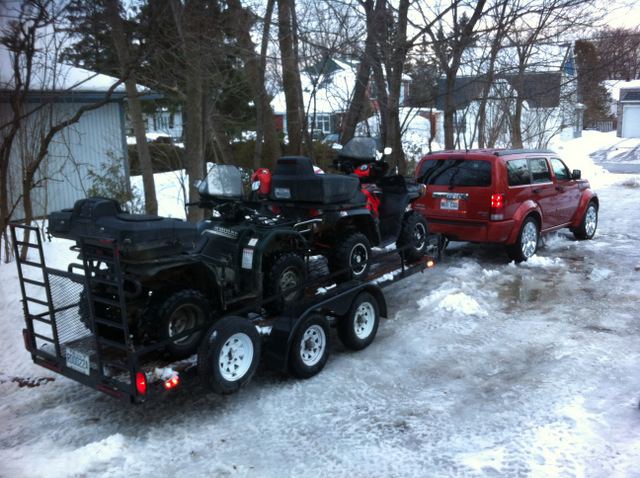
<point x="352" y="251"/>
<point x="309" y="347"/>
<point x="358" y="328"/>
<point x="229" y="354"/>
<point x="414" y="231"/>
<point x="172" y="311"/>
<point x="287" y="270"/>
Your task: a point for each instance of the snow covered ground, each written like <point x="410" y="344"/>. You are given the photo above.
<point x="482" y="369"/>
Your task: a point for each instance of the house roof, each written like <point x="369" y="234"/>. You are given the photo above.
<point x="620" y="89"/>
<point x="541" y="83"/>
<point x="540" y="58"/>
<point x="58" y="78"/>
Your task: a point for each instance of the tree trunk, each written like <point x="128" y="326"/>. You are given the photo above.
<point x="189" y="32"/>
<point x="113" y="8"/>
<point x="359" y="97"/>
<point x="290" y="77"/>
<point x="254" y="67"/>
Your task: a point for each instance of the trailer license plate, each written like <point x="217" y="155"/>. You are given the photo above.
<point x="450" y="204"/>
<point x="78" y="361"/>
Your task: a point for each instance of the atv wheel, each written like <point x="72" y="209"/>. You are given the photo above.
<point x="414" y="231"/>
<point x="352" y="253"/>
<point x="287" y="271"/>
<point x="228" y="356"/>
<point x="169" y="313"/>
<point x="358" y="328"/>
<point x="309" y="347"/>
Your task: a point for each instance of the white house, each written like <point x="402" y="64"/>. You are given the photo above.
<point x="626" y="107"/>
<point x="56" y="93"/>
<point x="327" y="88"/>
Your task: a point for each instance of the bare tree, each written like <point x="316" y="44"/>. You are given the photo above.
<point x="241" y="20"/>
<point x="23" y="41"/>
<point x="619" y="50"/>
<point x="113" y="10"/>
<point x="449" y="44"/>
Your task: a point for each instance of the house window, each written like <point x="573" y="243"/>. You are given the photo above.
<point x="631" y="96"/>
<point x="322" y="122"/>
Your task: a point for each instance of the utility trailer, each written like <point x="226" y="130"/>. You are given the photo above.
<point x="103" y="354"/>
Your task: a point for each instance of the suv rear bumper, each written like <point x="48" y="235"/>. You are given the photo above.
<point x="496" y="232"/>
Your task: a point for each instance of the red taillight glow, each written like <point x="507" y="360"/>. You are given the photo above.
<point x="497" y="207"/>
<point x="141" y="383"/>
<point x="171" y="383"/>
<point x="25" y="337"/>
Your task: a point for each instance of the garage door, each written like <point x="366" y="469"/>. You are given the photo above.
<point x="631" y="122"/>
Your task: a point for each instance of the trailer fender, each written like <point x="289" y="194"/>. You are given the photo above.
<point x="277" y="345"/>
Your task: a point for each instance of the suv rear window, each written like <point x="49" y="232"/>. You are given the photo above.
<point x="456" y="172"/>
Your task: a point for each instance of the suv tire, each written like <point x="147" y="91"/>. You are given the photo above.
<point x="589" y="224"/>
<point x="527" y="243"/>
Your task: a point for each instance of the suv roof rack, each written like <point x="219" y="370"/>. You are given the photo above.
<point x="519" y="151"/>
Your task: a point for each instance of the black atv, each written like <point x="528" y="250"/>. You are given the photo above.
<point x="179" y="275"/>
<point x="343" y="215"/>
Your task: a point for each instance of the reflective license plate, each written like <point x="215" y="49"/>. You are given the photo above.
<point x="78" y="361"/>
<point x="450" y="204"/>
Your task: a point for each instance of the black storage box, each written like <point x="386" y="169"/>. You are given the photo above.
<point x="139" y="236"/>
<point x="294" y="180"/>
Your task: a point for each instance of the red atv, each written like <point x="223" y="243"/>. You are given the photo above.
<point x="344" y="215"/>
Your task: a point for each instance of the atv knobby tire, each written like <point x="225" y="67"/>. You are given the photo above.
<point x="287" y="270"/>
<point x="413" y="235"/>
<point x="351" y="254"/>
<point x="170" y="312"/>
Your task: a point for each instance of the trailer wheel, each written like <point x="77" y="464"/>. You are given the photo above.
<point x="414" y="231"/>
<point x="229" y="354"/>
<point x="170" y="312"/>
<point x="287" y="271"/>
<point x="353" y="251"/>
<point x="310" y="347"/>
<point x="358" y="328"/>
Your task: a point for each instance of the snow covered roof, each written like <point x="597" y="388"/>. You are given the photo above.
<point x="615" y="86"/>
<point x="58" y="77"/>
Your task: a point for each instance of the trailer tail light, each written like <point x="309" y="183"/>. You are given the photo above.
<point x="141" y="383"/>
<point x="172" y="383"/>
<point x="497" y="207"/>
<point x="25" y="337"/>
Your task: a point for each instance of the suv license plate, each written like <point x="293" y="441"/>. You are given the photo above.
<point x="78" y="361"/>
<point x="450" y="204"/>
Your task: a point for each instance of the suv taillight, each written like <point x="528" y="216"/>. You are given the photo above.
<point x="497" y="207"/>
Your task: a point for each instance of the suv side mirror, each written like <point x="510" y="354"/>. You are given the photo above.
<point x="576" y="174"/>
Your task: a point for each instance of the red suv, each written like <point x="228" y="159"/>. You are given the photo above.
<point x="505" y="196"/>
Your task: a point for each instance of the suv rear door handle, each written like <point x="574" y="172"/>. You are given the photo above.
<point x="537" y="190"/>
<point x="560" y="188"/>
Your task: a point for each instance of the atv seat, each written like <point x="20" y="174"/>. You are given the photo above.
<point x="294" y="180"/>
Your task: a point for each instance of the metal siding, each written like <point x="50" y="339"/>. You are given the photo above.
<point x="74" y="151"/>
